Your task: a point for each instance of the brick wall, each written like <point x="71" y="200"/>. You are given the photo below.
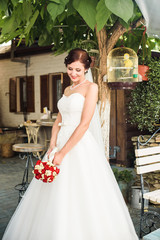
<point x="39" y="65"/>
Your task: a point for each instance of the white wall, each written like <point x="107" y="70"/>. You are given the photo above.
<point x="39" y="65"/>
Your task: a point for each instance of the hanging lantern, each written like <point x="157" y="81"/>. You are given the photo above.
<point x="92" y="48"/>
<point x="122" y="68"/>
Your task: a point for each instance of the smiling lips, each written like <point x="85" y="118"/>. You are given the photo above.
<point x="73" y="77"/>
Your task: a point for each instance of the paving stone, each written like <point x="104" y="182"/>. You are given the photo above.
<point x="11" y="173"/>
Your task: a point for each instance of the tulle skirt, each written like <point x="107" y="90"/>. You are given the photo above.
<point x="83" y="203"/>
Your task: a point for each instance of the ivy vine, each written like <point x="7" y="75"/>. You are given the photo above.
<point x="144" y="107"/>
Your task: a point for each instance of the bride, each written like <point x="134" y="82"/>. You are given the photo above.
<point x="84" y="201"/>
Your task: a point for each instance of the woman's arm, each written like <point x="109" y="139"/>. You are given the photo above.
<point x="87" y="114"/>
<point x="54" y="133"/>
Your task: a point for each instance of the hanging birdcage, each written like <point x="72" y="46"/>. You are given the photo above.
<point x="122" y="68"/>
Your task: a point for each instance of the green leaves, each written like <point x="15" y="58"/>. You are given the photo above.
<point x="32" y="21"/>
<point x="56" y="7"/>
<point x="20" y="20"/>
<point x="144" y="107"/>
<point x="38" y="19"/>
<point x="103" y="14"/>
<point x="121" y="8"/>
<point x="55" y="1"/>
<point x="10" y="24"/>
<point x="14" y="2"/>
<point x="124" y="175"/>
<point x="98" y="12"/>
<point x="87" y="9"/>
<point x="3" y="5"/>
<point x="45" y="39"/>
<point x="27" y="10"/>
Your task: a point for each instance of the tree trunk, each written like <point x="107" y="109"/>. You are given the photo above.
<point x="104" y="91"/>
<point x="106" y="42"/>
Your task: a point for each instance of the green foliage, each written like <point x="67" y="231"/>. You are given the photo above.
<point x="3" y="5"/>
<point x="139" y="42"/>
<point x="87" y="9"/>
<point x="38" y="20"/>
<point x="102" y="15"/>
<point x="14" y="2"/>
<point x="123" y="175"/>
<point x="121" y="8"/>
<point x="131" y="40"/>
<point x="55" y="8"/>
<point x="144" y="107"/>
<point x="30" y="23"/>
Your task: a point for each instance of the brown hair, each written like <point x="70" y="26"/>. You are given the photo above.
<point x="78" y="54"/>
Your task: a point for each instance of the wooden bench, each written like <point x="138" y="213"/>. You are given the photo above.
<point x="148" y="160"/>
<point x="155" y="235"/>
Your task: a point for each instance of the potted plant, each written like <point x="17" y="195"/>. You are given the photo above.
<point x="124" y="179"/>
<point x="144" y="105"/>
<point x="143" y="68"/>
<point x="144" y="55"/>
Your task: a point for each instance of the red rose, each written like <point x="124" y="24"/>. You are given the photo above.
<point x="38" y="176"/>
<point x="57" y="170"/>
<point x="36" y="171"/>
<point x="47" y="167"/>
<point x="38" y="162"/>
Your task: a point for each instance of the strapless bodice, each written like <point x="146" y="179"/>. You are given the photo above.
<point x="71" y="108"/>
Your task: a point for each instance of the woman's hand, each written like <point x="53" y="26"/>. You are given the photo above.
<point x="58" y="157"/>
<point x="50" y="150"/>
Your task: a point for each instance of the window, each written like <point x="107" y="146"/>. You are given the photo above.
<point x="52" y="88"/>
<point x="21" y="94"/>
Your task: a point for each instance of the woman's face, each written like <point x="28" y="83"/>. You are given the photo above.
<point x="76" y="71"/>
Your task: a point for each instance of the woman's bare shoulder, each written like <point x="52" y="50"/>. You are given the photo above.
<point x="66" y="90"/>
<point x="93" y="87"/>
<point x="92" y="90"/>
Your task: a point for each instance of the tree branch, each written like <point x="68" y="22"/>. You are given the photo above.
<point x="118" y="30"/>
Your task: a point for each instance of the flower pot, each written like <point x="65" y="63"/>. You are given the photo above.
<point x="136" y="197"/>
<point x="124" y="190"/>
<point x="143" y="71"/>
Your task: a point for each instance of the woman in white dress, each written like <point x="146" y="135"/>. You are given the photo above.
<point x="84" y="201"/>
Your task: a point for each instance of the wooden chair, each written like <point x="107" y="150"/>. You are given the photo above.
<point x="155" y="235"/>
<point x="32" y="132"/>
<point x="148" y="160"/>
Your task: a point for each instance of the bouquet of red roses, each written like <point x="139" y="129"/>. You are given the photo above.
<point x="45" y="171"/>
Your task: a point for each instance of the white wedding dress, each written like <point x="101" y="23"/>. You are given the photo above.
<point x="84" y="201"/>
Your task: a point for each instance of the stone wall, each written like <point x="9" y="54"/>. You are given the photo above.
<point x="155" y="141"/>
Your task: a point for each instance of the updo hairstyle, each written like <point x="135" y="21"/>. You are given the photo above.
<point x="78" y="54"/>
